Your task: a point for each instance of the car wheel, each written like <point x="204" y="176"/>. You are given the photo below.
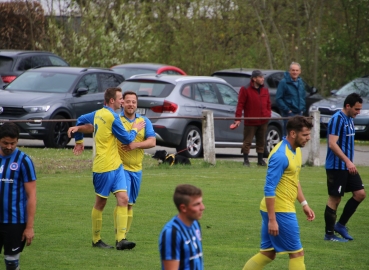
<point x="58" y="134"/>
<point x="192" y="141"/>
<point x="272" y="138"/>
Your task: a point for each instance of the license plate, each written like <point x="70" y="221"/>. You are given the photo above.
<point x="325" y="119"/>
<point x="141" y="111"/>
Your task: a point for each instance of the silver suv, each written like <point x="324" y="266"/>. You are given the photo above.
<point x="160" y="96"/>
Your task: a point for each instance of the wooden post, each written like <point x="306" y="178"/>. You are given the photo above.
<point x="208" y="138"/>
<point x="314" y="145"/>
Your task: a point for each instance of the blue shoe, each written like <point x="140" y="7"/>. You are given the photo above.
<point x="334" y="238"/>
<point x="343" y="231"/>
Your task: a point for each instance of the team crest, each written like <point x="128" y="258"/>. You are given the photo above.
<point x="14" y="166"/>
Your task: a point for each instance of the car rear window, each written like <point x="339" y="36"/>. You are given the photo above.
<point x="148" y="88"/>
<point x="234" y="80"/>
<point x="5" y="64"/>
<point x="43" y="82"/>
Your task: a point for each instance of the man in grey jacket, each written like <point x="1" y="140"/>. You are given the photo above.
<point x="290" y="96"/>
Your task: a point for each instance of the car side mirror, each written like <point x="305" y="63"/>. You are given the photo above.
<point x="333" y="92"/>
<point x="82" y="91"/>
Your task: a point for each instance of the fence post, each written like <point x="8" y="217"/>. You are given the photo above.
<point x="208" y="140"/>
<point x="314" y="145"/>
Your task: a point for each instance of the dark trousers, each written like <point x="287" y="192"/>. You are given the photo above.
<point x="248" y="134"/>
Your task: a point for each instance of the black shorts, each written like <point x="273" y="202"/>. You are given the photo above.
<point x="11" y="238"/>
<point x="341" y="181"/>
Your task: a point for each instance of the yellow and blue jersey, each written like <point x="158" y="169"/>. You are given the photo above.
<point x="282" y="178"/>
<point x="132" y="160"/>
<point x="107" y="129"/>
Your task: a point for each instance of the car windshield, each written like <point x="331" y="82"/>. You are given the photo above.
<point x="148" y="88"/>
<point x="129" y="72"/>
<point x="234" y="80"/>
<point x="48" y="82"/>
<point x="360" y="86"/>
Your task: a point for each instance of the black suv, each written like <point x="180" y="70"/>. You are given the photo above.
<point x="238" y="77"/>
<point x="14" y="63"/>
<point x="54" y="93"/>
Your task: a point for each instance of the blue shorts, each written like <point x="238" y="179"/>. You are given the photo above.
<point x="133" y="185"/>
<point x="107" y="182"/>
<point x="288" y="239"/>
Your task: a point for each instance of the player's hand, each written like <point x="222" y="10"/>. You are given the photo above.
<point x="28" y="235"/>
<point x="72" y="130"/>
<point x="310" y="215"/>
<point x="78" y="149"/>
<point x="129" y="147"/>
<point x="273" y="228"/>
<point x="139" y="125"/>
<point x="351" y="167"/>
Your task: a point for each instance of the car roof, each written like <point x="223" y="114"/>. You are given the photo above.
<point x="153" y="66"/>
<point x="247" y="71"/>
<point x="174" y="79"/>
<point x="11" y="53"/>
<point x="73" y="70"/>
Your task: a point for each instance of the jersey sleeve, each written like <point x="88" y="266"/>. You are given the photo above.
<point x="83" y="120"/>
<point x="28" y="170"/>
<point x="335" y="125"/>
<point x="121" y="133"/>
<point x="170" y="244"/>
<point x="149" y="129"/>
<point x="277" y="164"/>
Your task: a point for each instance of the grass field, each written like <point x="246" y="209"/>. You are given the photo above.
<point x="230" y="224"/>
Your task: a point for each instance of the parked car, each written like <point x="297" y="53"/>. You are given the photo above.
<point x="238" y="77"/>
<point x="54" y="93"/>
<point x="187" y="96"/>
<point x="128" y="70"/>
<point x="13" y="63"/>
<point x="334" y="103"/>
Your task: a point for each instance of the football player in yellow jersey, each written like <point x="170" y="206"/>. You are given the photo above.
<point x="132" y="154"/>
<point x="108" y="173"/>
<point x="280" y="230"/>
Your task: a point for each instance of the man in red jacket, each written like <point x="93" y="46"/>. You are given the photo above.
<point x="254" y="101"/>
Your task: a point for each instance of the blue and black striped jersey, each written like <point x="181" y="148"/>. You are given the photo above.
<point x="342" y="126"/>
<point x="182" y="243"/>
<point x="15" y="170"/>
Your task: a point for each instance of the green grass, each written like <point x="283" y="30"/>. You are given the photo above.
<point x="231" y="221"/>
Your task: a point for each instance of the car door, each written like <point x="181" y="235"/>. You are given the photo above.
<point x="90" y="101"/>
<point x="229" y="98"/>
<point x="206" y="98"/>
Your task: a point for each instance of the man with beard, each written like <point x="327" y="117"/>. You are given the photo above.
<point x="279" y="229"/>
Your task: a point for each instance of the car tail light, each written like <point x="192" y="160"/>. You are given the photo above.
<point x="8" y="79"/>
<point x="167" y="107"/>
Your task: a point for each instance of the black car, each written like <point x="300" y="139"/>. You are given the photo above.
<point x="54" y="93"/>
<point x="14" y="63"/>
<point x="334" y="103"/>
<point x="238" y="77"/>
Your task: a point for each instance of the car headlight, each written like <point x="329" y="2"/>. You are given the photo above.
<point x="36" y="109"/>
<point x="313" y="108"/>
<point x="364" y="112"/>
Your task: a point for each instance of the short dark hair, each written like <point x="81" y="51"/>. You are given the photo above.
<point x="298" y="122"/>
<point x="352" y="99"/>
<point x="129" y="93"/>
<point x="111" y="93"/>
<point x="9" y="129"/>
<point x="183" y="194"/>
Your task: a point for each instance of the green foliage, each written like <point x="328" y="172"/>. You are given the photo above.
<point x="231" y="221"/>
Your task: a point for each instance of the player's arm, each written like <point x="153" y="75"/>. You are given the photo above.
<point x="276" y="166"/>
<point x="121" y="133"/>
<point x="30" y="188"/>
<point x="171" y="265"/>
<point x="332" y="144"/>
<point x="305" y="207"/>
<point x="150" y="138"/>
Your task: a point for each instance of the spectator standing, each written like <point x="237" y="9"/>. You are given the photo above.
<point x="290" y="97"/>
<point x="279" y="229"/>
<point x="254" y="101"/>
<point x="180" y="242"/>
<point x="18" y="196"/>
<point x="108" y="173"/>
<point x="342" y="174"/>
